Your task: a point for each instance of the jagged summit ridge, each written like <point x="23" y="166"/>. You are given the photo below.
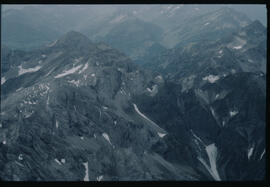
<point x="73" y="39"/>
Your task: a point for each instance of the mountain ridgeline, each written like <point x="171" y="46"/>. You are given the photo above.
<point x="138" y="101"/>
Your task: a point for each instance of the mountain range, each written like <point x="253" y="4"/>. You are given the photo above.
<point x="132" y="99"/>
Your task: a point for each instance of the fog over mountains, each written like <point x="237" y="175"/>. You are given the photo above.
<point x="133" y="93"/>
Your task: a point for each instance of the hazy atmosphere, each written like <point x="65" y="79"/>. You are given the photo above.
<point x="133" y="92"/>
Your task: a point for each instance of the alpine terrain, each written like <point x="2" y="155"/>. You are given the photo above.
<point x="139" y="93"/>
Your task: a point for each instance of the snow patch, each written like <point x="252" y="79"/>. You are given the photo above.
<point x="238" y="47"/>
<point x="262" y="154"/>
<point x="43" y="56"/>
<point x="67" y="72"/>
<point x="84" y="68"/>
<point x="57" y="161"/>
<point x="3" y="80"/>
<point x="76" y="83"/>
<point x="29" y="70"/>
<point x="250" y="151"/>
<point x="19" y="89"/>
<point x="93" y="75"/>
<point x="99" y="178"/>
<point x="86" y="177"/>
<point x="153" y="90"/>
<point x="63" y="160"/>
<point x="211" y="78"/>
<point x="4" y="142"/>
<point x="28" y="115"/>
<point x="223" y="123"/>
<point x="106" y="136"/>
<point x="161" y="135"/>
<point x="104" y="107"/>
<point x="233" y="113"/>
<point x="56" y="124"/>
<point x="213" y="112"/>
<point x="206" y="23"/>
<point x="211" y="151"/>
<point x="20" y="157"/>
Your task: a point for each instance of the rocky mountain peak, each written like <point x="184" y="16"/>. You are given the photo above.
<point x="255" y="26"/>
<point x="73" y="39"/>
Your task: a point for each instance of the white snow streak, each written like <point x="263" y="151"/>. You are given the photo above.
<point x="250" y="151"/>
<point x="141" y="114"/>
<point x="63" y="160"/>
<point x="84" y="68"/>
<point x="58" y="162"/>
<point x="213" y="112"/>
<point x="19" y="89"/>
<point x="56" y="124"/>
<point x="67" y="72"/>
<point x="206" y="23"/>
<point x="86" y="177"/>
<point x="211" y="151"/>
<point x="262" y="154"/>
<point x="106" y="136"/>
<point x="29" y="70"/>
